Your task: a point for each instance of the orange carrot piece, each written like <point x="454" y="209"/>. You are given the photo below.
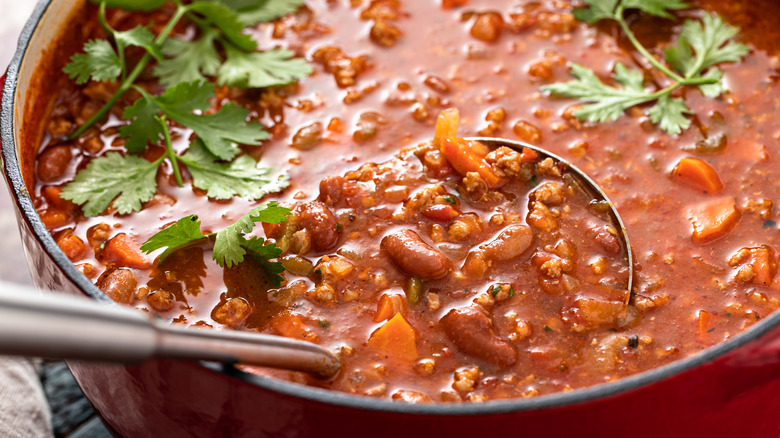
<point x="73" y="247"/>
<point x="52" y="195"/>
<point x="703" y="319"/>
<point x="464" y="160"/>
<point x="764" y="264"/>
<point x="389" y="305"/>
<point x="124" y="251"/>
<point x="53" y="218"/>
<point x="395" y="338"/>
<point x="698" y="175"/>
<point x="291" y="325"/>
<point x="714" y="219"/>
<point x="446" y="125"/>
<point x="528" y="155"/>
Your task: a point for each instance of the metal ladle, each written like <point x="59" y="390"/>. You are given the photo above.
<point x="34" y="323"/>
<point x="585" y="183"/>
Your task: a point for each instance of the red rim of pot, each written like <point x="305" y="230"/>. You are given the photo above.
<point x="23" y="201"/>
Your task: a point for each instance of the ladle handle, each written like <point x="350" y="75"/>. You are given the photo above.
<point x="33" y="323"/>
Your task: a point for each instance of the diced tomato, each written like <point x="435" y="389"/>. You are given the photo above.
<point x="441" y="212"/>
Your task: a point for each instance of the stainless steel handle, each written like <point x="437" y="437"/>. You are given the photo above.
<point x="33" y="323"/>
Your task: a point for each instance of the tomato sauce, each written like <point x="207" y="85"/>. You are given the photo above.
<point x="374" y="98"/>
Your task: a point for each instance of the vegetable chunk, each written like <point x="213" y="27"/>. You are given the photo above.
<point x="396" y="338"/>
<point x="714" y="219"/>
<point x="698" y="175"/>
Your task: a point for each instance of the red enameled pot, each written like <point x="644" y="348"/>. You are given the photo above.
<point x="728" y="390"/>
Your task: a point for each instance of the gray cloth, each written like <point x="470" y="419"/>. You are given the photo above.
<point x="23" y="408"/>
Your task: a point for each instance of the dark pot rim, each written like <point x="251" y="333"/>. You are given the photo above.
<point x="593" y="393"/>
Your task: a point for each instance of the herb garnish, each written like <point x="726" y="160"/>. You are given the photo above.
<point x="184" y="67"/>
<point x="230" y="243"/>
<point x="691" y="62"/>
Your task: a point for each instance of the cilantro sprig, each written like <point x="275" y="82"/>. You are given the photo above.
<point x="220" y="51"/>
<point x="691" y="62"/>
<point x="231" y="244"/>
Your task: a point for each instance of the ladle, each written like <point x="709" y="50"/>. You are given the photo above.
<point x="586" y="183"/>
<point x="34" y="323"/>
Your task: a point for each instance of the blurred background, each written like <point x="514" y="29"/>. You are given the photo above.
<point x="72" y="416"/>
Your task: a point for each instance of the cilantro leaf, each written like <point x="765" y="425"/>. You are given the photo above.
<point x="143" y="127"/>
<point x="126" y="180"/>
<point x="139" y="36"/>
<point x="219" y="132"/>
<point x="135" y="5"/>
<point x="713" y="90"/>
<point x="242" y="177"/>
<point x="709" y="45"/>
<point x="251" y="12"/>
<point x="658" y="8"/>
<point x="226" y="20"/>
<point x="669" y="113"/>
<point x="263" y="251"/>
<point x="228" y="246"/>
<point x="261" y="69"/>
<point x="596" y="10"/>
<point x="184" y="231"/>
<point x="188" y="60"/>
<point x="608" y="102"/>
<point x="99" y="62"/>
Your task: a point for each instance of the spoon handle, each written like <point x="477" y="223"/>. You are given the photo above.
<point x="34" y="323"/>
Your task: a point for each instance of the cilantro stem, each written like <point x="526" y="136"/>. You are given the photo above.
<point x="128" y="82"/>
<point x="651" y="59"/>
<point x="172" y="157"/>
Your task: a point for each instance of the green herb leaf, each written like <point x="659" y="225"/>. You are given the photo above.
<point x="608" y="102"/>
<point x="449" y="199"/>
<point x="669" y="113"/>
<point x="713" y="90"/>
<point x="251" y="12"/>
<point x="143" y="128"/>
<point x="709" y="45"/>
<point x="228" y="247"/>
<point x="263" y="251"/>
<point x="261" y="69"/>
<point x="658" y="8"/>
<point x="133" y="5"/>
<point x="98" y="62"/>
<point x="226" y="20"/>
<point x="138" y="36"/>
<point x="242" y="177"/>
<point x="188" y="61"/>
<point x="183" y="232"/>
<point x="596" y="10"/>
<point x="129" y="179"/>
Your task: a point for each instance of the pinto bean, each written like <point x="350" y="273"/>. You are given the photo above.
<point x="415" y="257"/>
<point x="118" y="284"/>
<point x="53" y="162"/>
<point x="510" y="243"/>
<point x="472" y="332"/>
<point x="321" y="223"/>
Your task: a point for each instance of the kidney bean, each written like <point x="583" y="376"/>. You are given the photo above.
<point x="472" y="332"/>
<point x="53" y="162"/>
<point x="510" y="243"/>
<point x="487" y="27"/>
<point x="118" y="284"/>
<point x="415" y="257"/>
<point x="321" y="223"/>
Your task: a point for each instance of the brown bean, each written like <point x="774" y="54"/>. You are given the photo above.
<point x="321" y="223"/>
<point x="510" y="243"/>
<point x="308" y="137"/>
<point x="118" y="284"/>
<point x="472" y="332"/>
<point x="53" y="162"/>
<point x="487" y="27"/>
<point x="415" y="257"/>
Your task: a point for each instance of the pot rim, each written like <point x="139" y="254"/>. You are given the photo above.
<point x="23" y="200"/>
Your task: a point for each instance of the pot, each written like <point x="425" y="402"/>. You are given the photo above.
<point x="727" y="390"/>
